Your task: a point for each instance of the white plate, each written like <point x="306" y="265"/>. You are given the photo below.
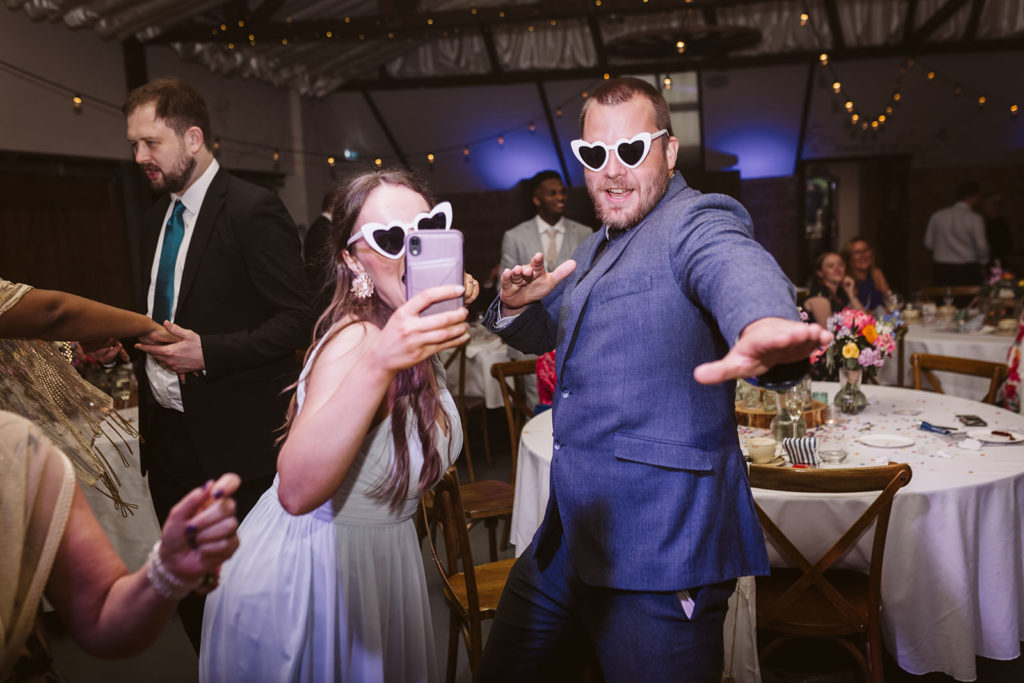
<point x="988" y="436"/>
<point x="886" y="440"/>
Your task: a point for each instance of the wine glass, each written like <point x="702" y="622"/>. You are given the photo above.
<point x="948" y="299"/>
<point x="894" y="301"/>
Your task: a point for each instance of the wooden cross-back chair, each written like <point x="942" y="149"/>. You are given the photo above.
<point x="517" y="412"/>
<point x="816" y="600"/>
<point x="923" y="364"/>
<point x="465" y="404"/>
<point x="471" y="591"/>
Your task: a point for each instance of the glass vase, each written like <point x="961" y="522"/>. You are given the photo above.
<point x="850" y="399"/>
<point x="789" y="422"/>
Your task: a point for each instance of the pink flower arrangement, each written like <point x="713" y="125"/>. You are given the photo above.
<point x="860" y="341"/>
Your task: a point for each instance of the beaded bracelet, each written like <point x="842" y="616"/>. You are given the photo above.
<point x="164" y="582"/>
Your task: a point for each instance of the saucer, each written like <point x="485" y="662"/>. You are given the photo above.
<point x="777" y="461"/>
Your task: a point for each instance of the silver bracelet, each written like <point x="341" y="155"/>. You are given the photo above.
<point x="164" y="582"/>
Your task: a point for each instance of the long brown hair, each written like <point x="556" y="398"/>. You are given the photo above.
<point x="411" y="388"/>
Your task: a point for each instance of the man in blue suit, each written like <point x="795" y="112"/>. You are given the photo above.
<point x="650" y="518"/>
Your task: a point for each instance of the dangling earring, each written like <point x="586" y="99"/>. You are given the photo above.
<point x="362" y="286"/>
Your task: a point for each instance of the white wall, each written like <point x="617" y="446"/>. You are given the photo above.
<point x="36" y="118"/>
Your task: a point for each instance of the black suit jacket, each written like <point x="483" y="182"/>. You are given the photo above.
<point x="316" y="253"/>
<point x="243" y="290"/>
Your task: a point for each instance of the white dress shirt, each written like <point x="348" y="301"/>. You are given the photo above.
<point x="956" y="234"/>
<point x="543" y="226"/>
<point x="164" y="382"/>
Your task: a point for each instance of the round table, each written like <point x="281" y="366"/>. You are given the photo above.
<point x="484" y="349"/>
<point x="942" y="341"/>
<point x="953" y="579"/>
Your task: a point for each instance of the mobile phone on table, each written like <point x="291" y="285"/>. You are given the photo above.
<point x="971" y="421"/>
<point x="433" y="258"/>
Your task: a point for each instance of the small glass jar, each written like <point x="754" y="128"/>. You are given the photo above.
<point x="789" y="422"/>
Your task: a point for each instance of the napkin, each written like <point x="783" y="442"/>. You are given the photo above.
<point x="802" y="450"/>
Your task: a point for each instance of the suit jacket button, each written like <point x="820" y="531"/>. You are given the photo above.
<point x="565" y="393"/>
<point x="558" y="444"/>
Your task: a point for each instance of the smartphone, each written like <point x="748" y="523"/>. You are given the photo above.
<point x="971" y="421"/>
<point x="433" y="258"/>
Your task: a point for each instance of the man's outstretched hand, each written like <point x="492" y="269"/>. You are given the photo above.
<point x="523" y="285"/>
<point x="762" y="344"/>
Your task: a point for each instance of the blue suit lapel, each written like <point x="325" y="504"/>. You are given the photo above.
<point x="580" y="294"/>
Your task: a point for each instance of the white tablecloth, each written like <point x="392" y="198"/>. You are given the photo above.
<point x="953" y="580"/>
<point x="943" y="342"/>
<point x="484" y="350"/>
<point x="134" y="535"/>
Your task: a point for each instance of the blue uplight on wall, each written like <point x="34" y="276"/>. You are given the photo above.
<point x="521" y="156"/>
<point x="762" y="152"/>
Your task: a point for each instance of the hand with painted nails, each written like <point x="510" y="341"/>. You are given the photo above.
<point x="199" y="533"/>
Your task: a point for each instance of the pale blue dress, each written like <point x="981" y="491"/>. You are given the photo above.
<point x="337" y="594"/>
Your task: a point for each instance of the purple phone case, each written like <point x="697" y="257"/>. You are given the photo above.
<point x="439" y="262"/>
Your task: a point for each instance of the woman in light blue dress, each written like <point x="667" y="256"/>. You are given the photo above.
<point x="328" y="584"/>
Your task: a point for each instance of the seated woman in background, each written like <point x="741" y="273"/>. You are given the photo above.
<point x="872" y="287"/>
<point x="51" y="541"/>
<point x="329" y="584"/>
<point x="832" y="291"/>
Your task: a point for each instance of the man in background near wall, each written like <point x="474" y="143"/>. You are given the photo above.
<point x="549" y="233"/>
<point x="956" y="238"/>
<point x="316" y="254"/>
<point x="222" y="270"/>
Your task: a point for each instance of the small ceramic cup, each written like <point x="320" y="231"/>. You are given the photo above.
<point x="761" y="449"/>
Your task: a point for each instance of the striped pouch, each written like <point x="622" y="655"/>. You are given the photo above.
<point x="802" y="451"/>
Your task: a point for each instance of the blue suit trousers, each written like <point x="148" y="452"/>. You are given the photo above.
<point x="550" y="625"/>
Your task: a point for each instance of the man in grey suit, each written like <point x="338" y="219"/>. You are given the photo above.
<point x="550" y="234"/>
<point x="650" y="518"/>
<point x="535" y="236"/>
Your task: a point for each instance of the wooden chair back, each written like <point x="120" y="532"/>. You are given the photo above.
<point x="814" y="599"/>
<point x="471" y="591"/>
<point x="923" y="364"/>
<point x="465" y="404"/>
<point x="517" y="412"/>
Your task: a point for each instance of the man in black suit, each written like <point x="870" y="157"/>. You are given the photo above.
<point x="222" y="270"/>
<point x="316" y="254"/>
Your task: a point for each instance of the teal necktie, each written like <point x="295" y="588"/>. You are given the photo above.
<point x="163" y="295"/>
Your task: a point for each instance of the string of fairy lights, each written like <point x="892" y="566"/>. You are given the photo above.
<point x="857" y="115"/>
<point x="80" y="99"/>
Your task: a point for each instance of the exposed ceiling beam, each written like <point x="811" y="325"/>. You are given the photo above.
<point x="385" y="129"/>
<point x="427" y="25"/>
<point x="934" y="22"/>
<point x="908" y="21"/>
<point x="692" y="63"/>
<point x="492" y="51"/>
<point x="710" y="16"/>
<point x="971" y="30"/>
<point x="598" y="39"/>
<point x="265" y="12"/>
<point x="835" y="26"/>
